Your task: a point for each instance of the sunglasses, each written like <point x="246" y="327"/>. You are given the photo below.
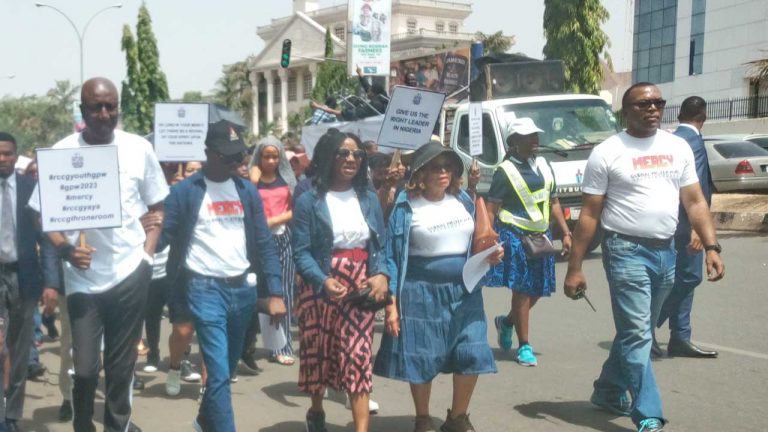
<point x="97" y="107"/>
<point x="234" y="158"/>
<point x="437" y="167"/>
<point x="344" y="153"/>
<point x="646" y="103"/>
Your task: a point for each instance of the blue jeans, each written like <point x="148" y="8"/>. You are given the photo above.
<point x="221" y="313"/>
<point x="639" y="278"/>
<point x="689" y="272"/>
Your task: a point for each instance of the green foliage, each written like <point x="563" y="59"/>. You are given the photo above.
<point x="267" y="128"/>
<point x="39" y="121"/>
<point x="495" y="43"/>
<point x="332" y="78"/>
<point x="296" y="119"/>
<point x="573" y="33"/>
<point x="192" y="97"/>
<point x="234" y="90"/>
<point x="146" y="82"/>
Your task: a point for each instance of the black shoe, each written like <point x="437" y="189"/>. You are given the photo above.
<point x="681" y="348"/>
<point x="138" y="384"/>
<point x="65" y="411"/>
<point x="133" y="428"/>
<point x="12" y="426"/>
<point x="50" y="325"/>
<point x="315" y="421"/>
<point x="656" y="352"/>
<point x="249" y="364"/>
<point x="35" y="370"/>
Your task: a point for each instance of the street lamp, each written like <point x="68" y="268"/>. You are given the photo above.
<point x="80" y="34"/>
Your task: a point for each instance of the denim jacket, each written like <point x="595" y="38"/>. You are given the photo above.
<point x="312" y="237"/>
<point x="398" y="233"/>
<point x="182" y="207"/>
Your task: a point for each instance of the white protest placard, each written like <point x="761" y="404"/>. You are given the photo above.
<point x="180" y="130"/>
<point x="368" y="46"/>
<point x="79" y="188"/>
<point x="410" y="118"/>
<point x="476" y="128"/>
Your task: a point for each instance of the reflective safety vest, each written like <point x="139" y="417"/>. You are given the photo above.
<point x="538" y="219"/>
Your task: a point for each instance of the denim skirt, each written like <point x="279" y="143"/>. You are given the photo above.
<point x="442" y="330"/>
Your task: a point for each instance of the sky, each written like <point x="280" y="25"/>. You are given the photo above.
<point x="197" y="37"/>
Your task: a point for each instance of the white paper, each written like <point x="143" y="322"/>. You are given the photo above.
<point x="79" y="188"/>
<point x="272" y="337"/>
<point x="410" y="118"/>
<point x="476" y="128"/>
<point x="476" y="267"/>
<point x="180" y="131"/>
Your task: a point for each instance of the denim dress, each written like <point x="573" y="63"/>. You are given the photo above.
<point x="443" y="327"/>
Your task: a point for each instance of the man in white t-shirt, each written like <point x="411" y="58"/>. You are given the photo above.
<point x="217" y="229"/>
<point x="106" y="282"/>
<point x="633" y="184"/>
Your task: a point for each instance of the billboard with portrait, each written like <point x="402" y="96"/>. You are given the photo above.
<point x="445" y="72"/>
<point x="369" y="42"/>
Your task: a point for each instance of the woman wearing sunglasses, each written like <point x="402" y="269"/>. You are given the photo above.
<point x="437" y="325"/>
<point x="337" y="249"/>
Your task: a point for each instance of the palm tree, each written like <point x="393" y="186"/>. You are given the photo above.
<point x="234" y="90"/>
<point x="759" y="69"/>
<point x="495" y="43"/>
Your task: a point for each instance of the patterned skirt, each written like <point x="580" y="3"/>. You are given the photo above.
<point x="519" y="272"/>
<point x="336" y="338"/>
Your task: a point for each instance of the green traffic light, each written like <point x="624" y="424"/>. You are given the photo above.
<point x="285" y="57"/>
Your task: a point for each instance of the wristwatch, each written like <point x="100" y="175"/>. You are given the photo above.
<point x="64" y="250"/>
<point x="715" y="247"/>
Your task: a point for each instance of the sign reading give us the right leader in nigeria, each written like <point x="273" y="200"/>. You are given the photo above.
<point x="410" y="118"/>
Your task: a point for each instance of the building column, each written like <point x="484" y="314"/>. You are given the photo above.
<point x="270" y="95"/>
<point x="313" y="71"/>
<point x="254" y="78"/>
<point x="299" y="84"/>
<point x="283" y="99"/>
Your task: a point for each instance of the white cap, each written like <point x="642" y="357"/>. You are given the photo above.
<point x="521" y="126"/>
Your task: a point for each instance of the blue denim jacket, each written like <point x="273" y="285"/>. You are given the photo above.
<point x="398" y="233"/>
<point x="313" y="237"/>
<point x="182" y="207"/>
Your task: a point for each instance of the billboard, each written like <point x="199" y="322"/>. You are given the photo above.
<point x="369" y="43"/>
<point x="445" y="72"/>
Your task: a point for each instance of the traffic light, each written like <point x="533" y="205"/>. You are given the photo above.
<point x="285" y="57"/>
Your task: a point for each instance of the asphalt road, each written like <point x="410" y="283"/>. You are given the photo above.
<point x="571" y="341"/>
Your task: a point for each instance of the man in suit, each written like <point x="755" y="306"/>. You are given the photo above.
<point x="690" y="256"/>
<point x="20" y="278"/>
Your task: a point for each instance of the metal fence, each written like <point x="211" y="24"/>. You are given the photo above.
<point x="726" y="109"/>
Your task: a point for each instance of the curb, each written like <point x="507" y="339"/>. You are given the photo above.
<point x="747" y="221"/>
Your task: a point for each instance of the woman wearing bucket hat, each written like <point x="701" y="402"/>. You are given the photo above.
<point x="436" y="324"/>
<point x="522" y="199"/>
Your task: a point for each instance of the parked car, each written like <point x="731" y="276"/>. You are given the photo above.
<point x="759" y="139"/>
<point x="738" y="166"/>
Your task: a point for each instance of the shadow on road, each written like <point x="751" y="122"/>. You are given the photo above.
<point x="280" y="392"/>
<point x="580" y="413"/>
<point x="378" y="424"/>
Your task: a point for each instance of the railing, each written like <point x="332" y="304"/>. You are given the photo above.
<point x="726" y="109"/>
<point x="433" y="33"/>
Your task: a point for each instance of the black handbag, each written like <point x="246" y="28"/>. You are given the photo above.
<point x="538" y="245"/>
<point x="362" y="300"/>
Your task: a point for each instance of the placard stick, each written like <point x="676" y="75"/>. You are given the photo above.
<point x="180" y="171"/>
<point x="82" y="239"/>
<point x="395" y="159"/>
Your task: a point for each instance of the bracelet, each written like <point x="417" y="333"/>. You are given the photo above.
<point x="64" y="250"/>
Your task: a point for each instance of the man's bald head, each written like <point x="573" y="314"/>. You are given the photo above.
<point x="99" y="106"/>
<point x="97" y="85"/>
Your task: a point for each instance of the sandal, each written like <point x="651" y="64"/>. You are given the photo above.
<point x="284" y="360"/>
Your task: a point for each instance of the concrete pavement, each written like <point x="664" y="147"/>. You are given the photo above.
<point x="571" y="341"/>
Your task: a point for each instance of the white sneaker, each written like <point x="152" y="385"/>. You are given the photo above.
<point x="150" y="368"/>
<point x="373" y="406"/>
<point x="173" y="382"/>
<point x="188" y="373"/>
<point x="196" y="426"/>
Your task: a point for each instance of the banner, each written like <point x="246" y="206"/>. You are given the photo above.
<point x="411" y="117"/>
<point x="180" y="130"/>
<point x="445" y="72"/>
<point x="368" y="44"/>
<point x="367" y="129"/>
<point x="79" y="188"/>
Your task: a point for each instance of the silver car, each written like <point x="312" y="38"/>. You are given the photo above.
<point x="759" y="139"/>
<point x="738" y="166"/>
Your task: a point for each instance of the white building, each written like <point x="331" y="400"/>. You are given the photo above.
<point x="419" y="27"/>
<point x="699" y="47"/>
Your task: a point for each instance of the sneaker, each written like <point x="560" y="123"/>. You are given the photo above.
<point x="138" y="383"/>
<point x="620" y="406"/>
<point x="188" y="373"/>
<point x="65" y="411"/>
<point x="373" y="406"/>
<point x="173" y="382"/>
<point x="249" y="363"/>
<point x="132" y="427"/>
<point x="315" y="421"/>
<point x="525" y="356"/>
<point x="423" y="424"/>
<point x="459" y="423"/>
<point x="35" y="371"/>
<point x="200" y="395"/>
<point x="650" y="425"/>
<point x="153" y="359"/>
<point x="233" y="377"/>
<point x="504" y="333"/>
<point x="196" y="426"/>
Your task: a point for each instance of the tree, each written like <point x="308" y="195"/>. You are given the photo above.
<point x="332" y="78"/>
<point x="146" y="83"/>
<point x="758" y="71"/>
<point x="39" y="121"/>
<point x="495" y="43"/>
<point x="573" y="34"/>
<point x="234" y="90"/>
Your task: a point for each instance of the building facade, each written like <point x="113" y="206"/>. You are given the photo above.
<point x="699" y="47"/>
<point x="419" y="27"/>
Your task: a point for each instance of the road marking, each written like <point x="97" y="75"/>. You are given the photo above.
<point x="757" y="355"/>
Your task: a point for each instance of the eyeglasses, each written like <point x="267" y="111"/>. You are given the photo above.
<point x="97" y="107"/>
<point x="344" y="153"/>
<point x="646" y="103"/>
<point x="234" y="158"/>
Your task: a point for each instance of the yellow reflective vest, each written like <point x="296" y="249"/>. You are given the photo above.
<point x="538" y="218"/>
